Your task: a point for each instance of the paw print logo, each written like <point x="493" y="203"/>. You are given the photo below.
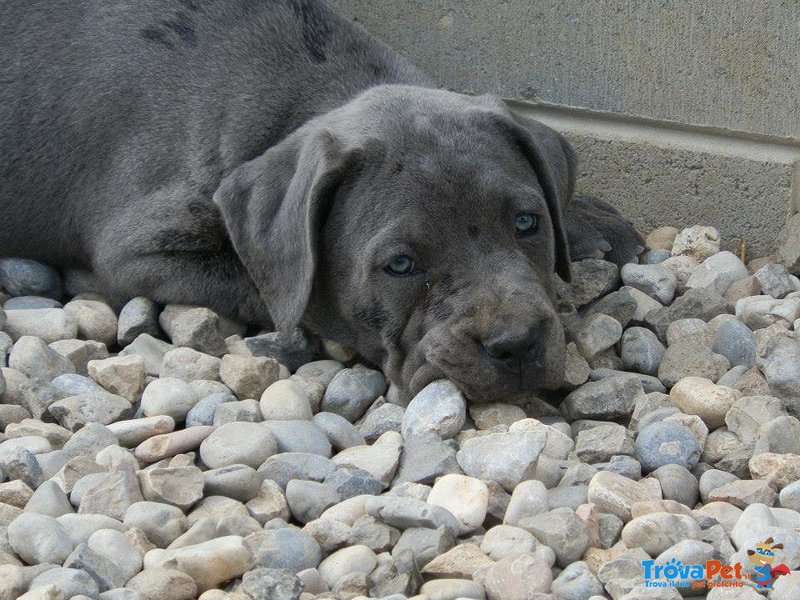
<point x="673" y="568"/>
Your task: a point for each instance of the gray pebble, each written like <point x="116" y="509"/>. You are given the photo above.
<point x="299" y="436"/>
<point x="168" y="396"/>
<point x="695" y="303"/>
<point x="599" y="444"/>
<point x="562" y="530"/>
<point x="96" y="320"/>
<point x="247" y="376"/>
<point x="162" y="523"/>
<point x="570" y="497"/>
<point x="75" y="385"/>
<point x="576" y="581"/>
<point x="80" y="352"/>
<point x="654" y="257"/>
<point x="775" y="280"/>
<point x="735" y="341"/>
<point x="341" y="433"/>
<point x="81" y="527"/>
<point x="656" y="281"/>
<point x="641" y="351"/>
<point x="189" y="364"/>
<point x="687" y="552"/>
<point x="426" y="457"/>
<point x="203" y="412"/>
<point x="321" y="371"/>
<point x="649" y="383"/>
<point x="660" y="444"/>
<point x="349" y="482"/>
<point x="49" y="499"/>
<point x="688" y="359"/>
<point x="287" y="548"/>
<point x="138" y="316"/>
<point x="605" y="399"/>
<point x="70" y="582"/>
<point x="712" y="479"/>
<point x="32" y="357"/>
<point x="48" y="324"/>
<point x="790" y="496"/>
<point x="780" y="363"/>
<point x="286" y="400"/>
<point x="283" y="467"/>
<point x="151" y="350"/>
<point x="238" y="411"/>
<point x="25" y="277"/>
<point x="90" y="440"/>
<point x="621" y="305"/>
<point x="439" y="408"/>
<point x="238" y="443"/>
<point x="624" y="465"/>
<point x="119" y="549"/>
<point x="236" y="481"/>
<point x="308" y="499"/>
<point x="106" y="574"/>
<point x="733" y="375"/>
<point x="406" y="512"/>
<point x="758" y="312"/>
<point x="718" y="272"/>
<point x="39" y="539"/>
<point x="591" y="279"/>
<point x="748" y="414"/>
<point x="179" y="486"/>
<point x="30" y="303"/>
<point x="678" y="484"/>
<point x="197" y="327"/>
<point x="293" y="349"/>
<point x="507" y="458"/>
<point x="597" y="333"/>
<point x="380" y="419"/>
<point x="424" y="543"/>
<point x="16" y="462"/>
<point x="780" y="435"/>
<point x="352" y="391"/>
<point x="97" y="407"/>
<point x="743" y="493"/>
<point x="271" y="584"/>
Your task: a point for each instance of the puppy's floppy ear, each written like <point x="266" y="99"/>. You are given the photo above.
<point x="555" y="164"/>
<point x="273" y="208"/>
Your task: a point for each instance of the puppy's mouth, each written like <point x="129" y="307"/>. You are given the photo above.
<point x="461" y="359"/>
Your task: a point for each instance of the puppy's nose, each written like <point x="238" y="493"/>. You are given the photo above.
<point x="514" y="351"/>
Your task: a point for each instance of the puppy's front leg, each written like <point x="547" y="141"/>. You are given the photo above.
<point x="176" y="253"/>
<point x="595" y="229"/>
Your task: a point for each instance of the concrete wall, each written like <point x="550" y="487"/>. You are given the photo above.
<point x="683" y="112"/>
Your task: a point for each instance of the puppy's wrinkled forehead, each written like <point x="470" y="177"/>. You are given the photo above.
<point x="435" y="138"/>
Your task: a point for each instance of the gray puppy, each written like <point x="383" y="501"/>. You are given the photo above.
<point x="274" y="162"/>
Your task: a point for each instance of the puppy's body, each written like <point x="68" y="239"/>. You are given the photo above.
<point x="119" y="120"/>
<point x="271" y="160"/>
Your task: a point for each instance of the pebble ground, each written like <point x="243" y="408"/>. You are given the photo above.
<point x="162" y="453"/>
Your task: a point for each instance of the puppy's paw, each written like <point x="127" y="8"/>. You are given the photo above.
<point x="596" y="229"/>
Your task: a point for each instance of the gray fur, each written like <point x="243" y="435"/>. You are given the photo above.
<point x="265" y="159"/>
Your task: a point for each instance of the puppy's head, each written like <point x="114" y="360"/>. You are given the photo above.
<point x="420" y="227"/>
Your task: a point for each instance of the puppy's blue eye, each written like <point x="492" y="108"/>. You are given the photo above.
<point x="526" y="223"/>
<point x="400" y="265"/>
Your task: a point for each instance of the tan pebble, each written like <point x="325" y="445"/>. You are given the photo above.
<point x="169" y="444"/>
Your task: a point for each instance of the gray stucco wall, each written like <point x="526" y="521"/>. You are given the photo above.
<point x="650" y="80"/>
<point x="722" y="63"/>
